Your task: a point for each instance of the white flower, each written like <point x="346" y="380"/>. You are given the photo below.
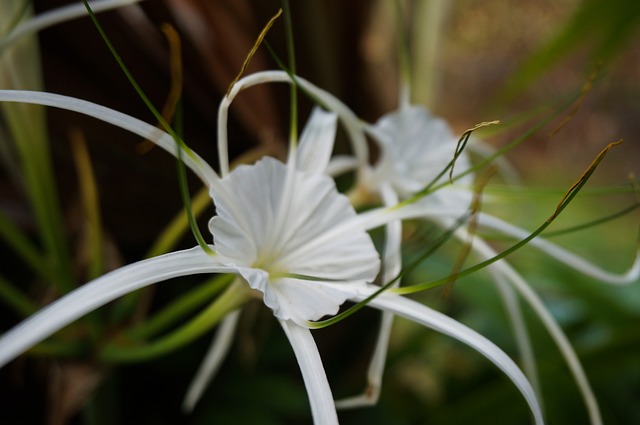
<point x="415" y="149"/>
<point x="287" y="232"/>
<point x="272" y="225"/>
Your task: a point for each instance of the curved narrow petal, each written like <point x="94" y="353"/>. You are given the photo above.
<point x="564" y="256"/>
<point x="60" y="15"/>
<point x="126" y="122"/>
<point x="101" y="291"/>
<point x="316" y="141"/>
<point x="520" y="331"/>
<point x="315" y="379"/>
<point x="377" y="217"/>
<point x="340" y="164"/>
<point x="555" y="331"/>
<point x="213" y="359"/>
<point x="422" y="314"/>
<point x="392" y="266"/>
<point x="352" y="124"/>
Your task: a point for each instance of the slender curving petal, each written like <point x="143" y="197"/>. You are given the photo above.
<point x="352" y="124"/>
<point x="101" y="291"/>
<point x="315" y="379"/>
<point x="126" y="122"/>
<point x="562" y="255"/>
<point x="213" y="359"/>
<point x="316" y="141"/>
<point x="59" y="15"/>
<point x="437" y="321"/>
<point x="392" y="267"/>
<point x="555" y="331"/>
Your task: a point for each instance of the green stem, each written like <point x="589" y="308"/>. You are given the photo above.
<point x="176" y="229"/>
<point x="231" y="299"/>
<point x="182" y="147"/>
<point x="181" y="307"/>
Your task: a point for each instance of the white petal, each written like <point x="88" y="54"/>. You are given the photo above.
<point x="520" y="331"/>
<point x="352" y="125"/>
<point x="555" y="331"/>
<point x="101" y="291"/>
<point x="315" y="379"/>
<point x="60" y="15"/>
<point x="134" y="125"/>
<point x="563" y="255"/>
<point x="212" y="360"/>
<point x="340" y="164"/>
<point x="380" y="216"/>
<point x="302" y="300"/>
<point x="316" y="141"/>
<point x="422" y="314"/>
<point x="416" y="146"/>
<point x="392" y="267"/>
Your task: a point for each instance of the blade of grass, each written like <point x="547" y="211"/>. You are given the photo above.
<point x="180" y="307"/>
<point x="231" y="299"/>
<point x="92" y="222"/>
<point x="20" y="68"/>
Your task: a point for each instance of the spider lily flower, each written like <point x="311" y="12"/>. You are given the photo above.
<point x="286" y="232"/>
<point x="415" y="147"/>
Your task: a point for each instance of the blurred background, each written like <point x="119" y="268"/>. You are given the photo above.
<point x="471" y="61"/>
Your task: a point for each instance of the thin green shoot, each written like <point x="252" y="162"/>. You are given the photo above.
<point x="235" y="295"/>
<point x="403" y="56"/>
<point x="180" y="307"/>
<point x="180" y="144"/>
<point x="92" y="223"/>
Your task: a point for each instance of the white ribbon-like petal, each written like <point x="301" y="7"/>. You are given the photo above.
<point x="555" y="331"/>
<point x="316" y="141"/>
<point x="60" y="15"/>
<point x="352" y="124"/>
<point x="315" y="379"/>
<point x="101" y="291"/>
<point x="126" y="122"/>
<point x="213" y="359"/>
<point x="562" y="255"/>
<point x="422" y="314"/>
<point x="392" y="267"/>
